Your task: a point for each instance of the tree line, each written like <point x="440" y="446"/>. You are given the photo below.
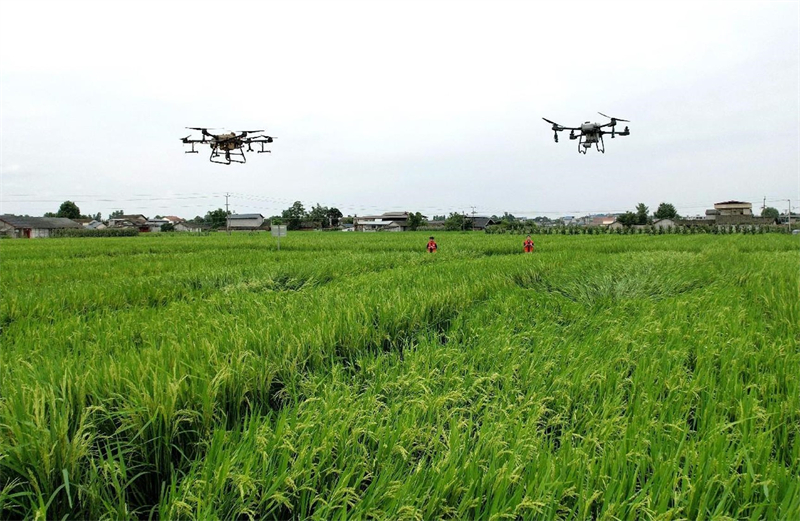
<point x="325" y="217"/>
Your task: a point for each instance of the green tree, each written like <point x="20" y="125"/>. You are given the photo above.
<point x="217" y="218"/>
<point x="455" y="221"/>
<point x="168" y="227"/>
<point x="509" y="218"/>
<point x="333" y="216"/>
<point x="69" y="210"/>
<point x="116" y="213"/>
<point x="666" y="211"/>
<point x="642" y="214"/>
<point x="415" y="220"/>
<point x="628" y="219"/>
<point x="294" y="215"/>
<point x="319" y="214"/>
<point x="770" y="212"/>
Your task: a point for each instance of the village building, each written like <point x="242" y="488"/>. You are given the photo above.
<point x="133" y="221"/>
<point x="728" y="213"/>
<point x="665" y="223"/>
<point x="154" y="225"/>
<point x="95" y="225"/>
<point x="600" y="220"/>
<point x="34" y="227"/>
<point x="388" y="221"/>
<point x="245" y="221"/>
<point x="480" y="223"/>
<point x="189" y="226"/>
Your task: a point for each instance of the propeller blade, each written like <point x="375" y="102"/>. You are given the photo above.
<point x="251" y="131"/>
<point x="615" y="119"/>
<point x="551" y="122"/>
<point x="185" y="138"/>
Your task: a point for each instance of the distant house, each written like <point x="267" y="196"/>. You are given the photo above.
<point x="134" y="221"/>
<point x="733" y="213"/>
<point x="154" y="225"/>
<point x="174" y="219"/>
<point x="188" y="226"/>
<point x="95" y="225"/>
<point x="34" y="227"/>
<point x="134" y="218"/>
<point x="394" y="227"/>
<point x="245" y="221"/>
<point x="734" y="208"/>
<point x="664" y="223"/>
<point x="390" y="221"/>
<point x="480" y="223"/>
<point x="600" y="220"/>
<point x="119" y="222"/>
<point x="616" y="225"/>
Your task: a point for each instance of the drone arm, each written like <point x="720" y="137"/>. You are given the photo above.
<point x="260" y="139"/>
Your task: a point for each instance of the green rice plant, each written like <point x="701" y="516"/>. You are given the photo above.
<point x="356" y="376"/>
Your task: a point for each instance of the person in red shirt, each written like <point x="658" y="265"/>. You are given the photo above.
<point x="431" y="245"/>
<point x="528" y="245"/>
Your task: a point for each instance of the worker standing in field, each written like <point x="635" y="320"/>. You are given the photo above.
<point x="528" y="246"/>
<point x="432" y="245"/>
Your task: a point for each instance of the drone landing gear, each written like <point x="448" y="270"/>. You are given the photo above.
<point x="192" y="151"/>
<point x="231" y="156"/>
<point x="262" y="151"/>
<point x="584" y="145"/>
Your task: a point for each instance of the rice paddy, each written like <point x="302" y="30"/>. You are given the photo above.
<point x="354" y="376"/>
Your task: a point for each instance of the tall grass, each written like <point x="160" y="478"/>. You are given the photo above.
<point x="354" y="376"/>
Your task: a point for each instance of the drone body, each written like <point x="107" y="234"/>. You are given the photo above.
<point x="228" y="148"/>
<point x="590" y="133"/>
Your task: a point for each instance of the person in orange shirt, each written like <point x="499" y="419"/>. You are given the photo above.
<point x="527" y="246"/>
<point x="431" y="245"/>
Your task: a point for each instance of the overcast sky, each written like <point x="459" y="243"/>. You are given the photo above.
<point x="382" y="106"/>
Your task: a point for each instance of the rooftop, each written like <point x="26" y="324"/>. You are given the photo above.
<point x="50" y="223"/>
<point x="245" y="216"/>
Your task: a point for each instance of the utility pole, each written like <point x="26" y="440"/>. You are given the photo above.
<point x="227" y="214"/>
<point x="789" y="217"/>
<point x="473" y="218"/>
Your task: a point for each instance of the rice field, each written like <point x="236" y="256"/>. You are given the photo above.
<point x="354" y="376"/>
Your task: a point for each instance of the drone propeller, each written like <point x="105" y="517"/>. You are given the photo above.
<point x="613" y="119"/>
<point x="556" y="126"/>
<point x="185" y="138"/>
<point x="251" y="131"/>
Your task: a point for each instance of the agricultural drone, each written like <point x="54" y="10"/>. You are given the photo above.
<point x="590" y="133"/>
<point x="228" y="148"/>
